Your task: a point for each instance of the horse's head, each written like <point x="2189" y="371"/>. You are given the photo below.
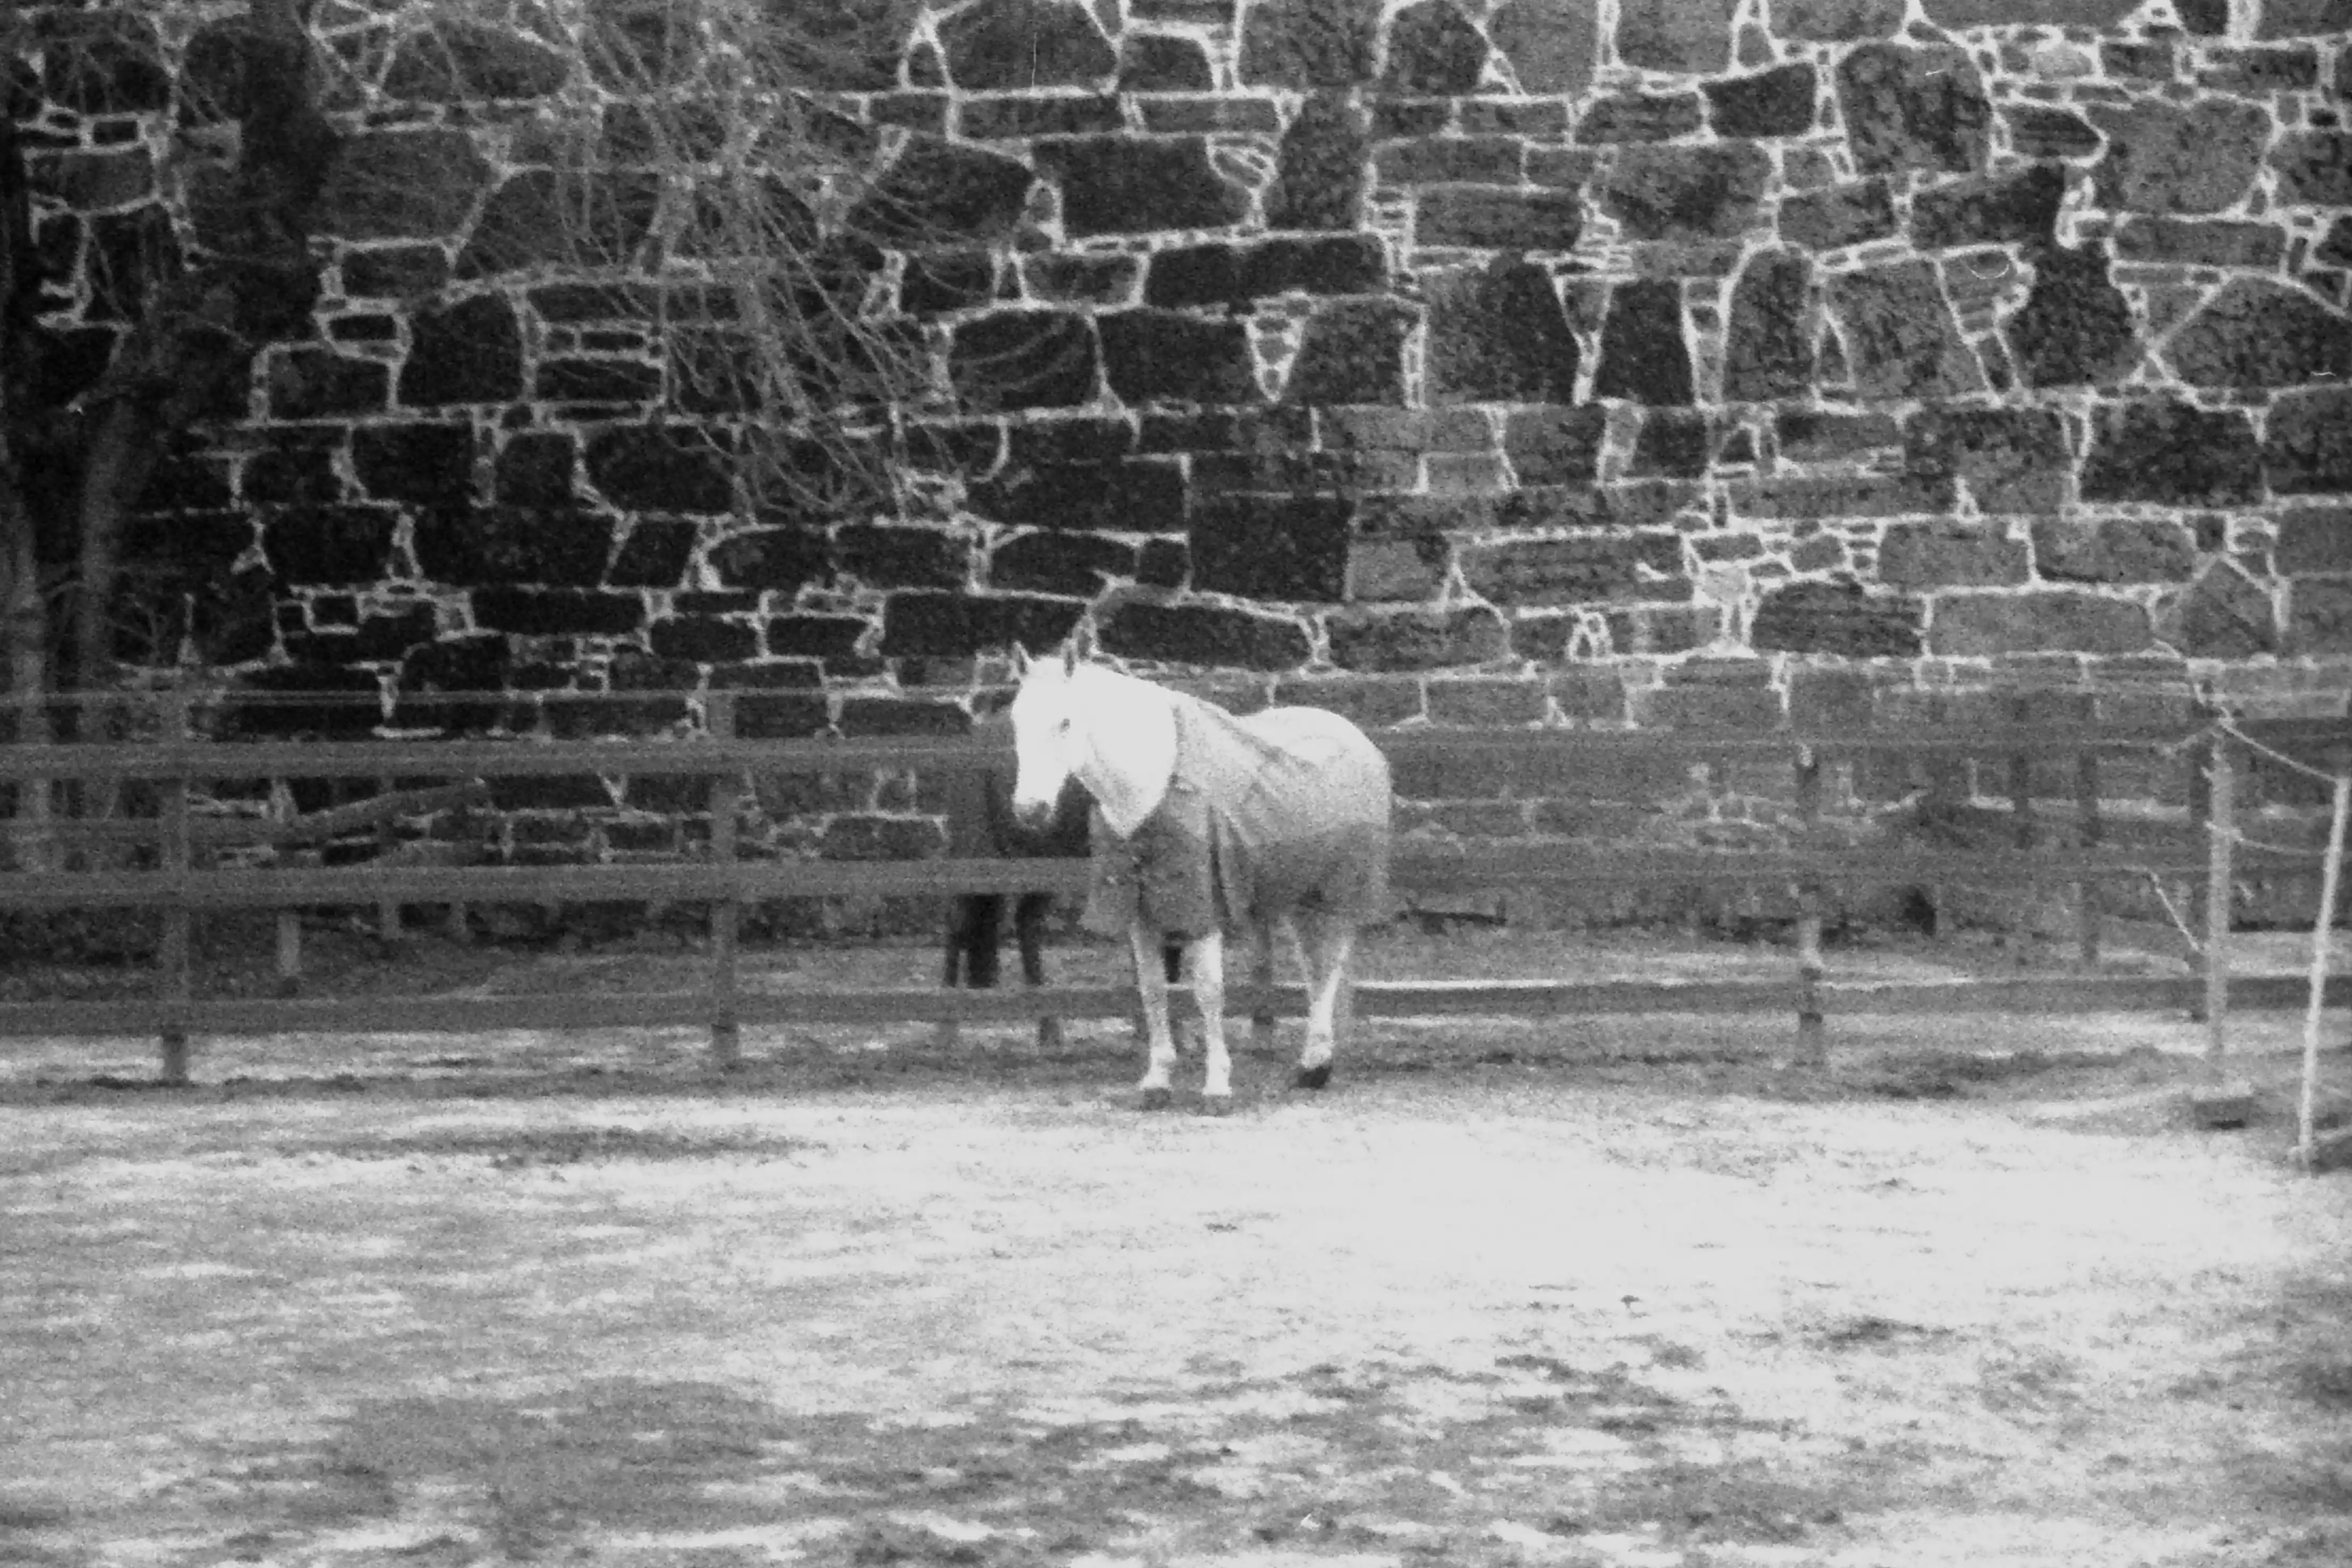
<point x="1047" y="741"/>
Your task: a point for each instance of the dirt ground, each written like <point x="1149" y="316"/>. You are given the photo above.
<point x="1597" y="1291"/>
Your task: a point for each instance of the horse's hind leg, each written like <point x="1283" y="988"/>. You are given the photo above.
<point x="1323" y="948"/>
<point x="1262" y="976"/>
<point x="1029" y="930"/>
<point x="972" y="923"/>
<point x="1208" y="967"/>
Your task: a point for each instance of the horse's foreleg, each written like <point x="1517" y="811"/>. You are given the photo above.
<point x="1323" y="948"/>
<point x="1207" y="963"/>
<point x="1151" y="990"/>
<point x="959" y="941"/>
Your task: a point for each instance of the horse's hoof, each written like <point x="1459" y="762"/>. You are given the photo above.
<point x="1316" y="1077"/>
<point x="1216" y="1105"/>
<point x="1154" y="1098"/>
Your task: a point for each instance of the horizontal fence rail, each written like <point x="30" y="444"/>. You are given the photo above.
<point x="423" y="777"/>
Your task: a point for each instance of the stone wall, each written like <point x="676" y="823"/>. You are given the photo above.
<point x="1470" y="361"/>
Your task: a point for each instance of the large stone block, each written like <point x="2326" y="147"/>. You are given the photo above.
<point x="1433" y="49"/>
<point x="1235" y="274"/>
<point x="2319" y="619"/>
<point x="654" y="554"/>
<point x="2172" y="454"/>
<point x="1498" y="336"/>
<point x="2315" y="167"/>
<point x="2304" y="19"/>
<point x="1679" y="442"/>
<point x="1998" y="209"/>
<point x="1053" y="561"/>
<point x="470" y="352"/>
<point x="671" y="468"/>
<point x="935" y="192"/>
<point x="1023" y="359"/>
<point x="2258" y="245"/>
<point x="1946" y="555"/>
<point x="884" y="556"/>
<point x="1776" y="102"/>
<point x="1769" y="344"/>
<point x="1556" y="446"/>
<point x="2316" y="540"/>
<point x="1900" y="335"/>
<point x="1910" y="109"/>
<point x="2019" y="13"/>
<point x="1837" y="21"/>
<point x="2224" y="615"/>
<point x="1641" y="116"/>
<point x="1160" y="62"/>
<point x="1986" y="625"/>
<point x="1128" y="495"/>
<point x="1645" y="354"/>
<point x="1208" y="636"/>
<point x="1390" y="640"/>
<point x="2307" y="450"/>
<point x="2256" y="333"/>
<point x="1578" y="568"/>
<point x="919" y="625"/>
<point x="1319" y="166"/>
<point x="319" y="383"/>
<point x="2171" y="158"/>
<point x="1494" y="218"/>
<point x="2013" y="460"/>
<point x="427" y="465"/>
<point x="329" y="545"/>
<point x="408" y="183"/>
<point x="1165" y="357"/>
<point x="1291" y="548"/>
<point x="2075" y="328"/>
<point x="1840" y="618"/>
<point x="1550" y="44"/>
<point x="1813" y="497"/>
<point x="1677" y="192"/>
<point x="778" y="560"/>
<point x="1310" y="44"/>
<point x="1117" y="184"/>
<point x="1450" y="160"/>
<point x="2037" y="131"/>
<point x="1000" y="44"/>
<point x="558" y="612"/>
<point x="703" y="639"/>
<point x="1352" y="351"/>
<point x="1840" y="215"/>
<point x="1688" y="36"/>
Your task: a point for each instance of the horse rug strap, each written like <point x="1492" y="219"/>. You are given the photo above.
<point x="1277" y="811"/>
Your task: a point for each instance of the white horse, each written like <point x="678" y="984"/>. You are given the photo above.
<point x="1206" y="822"/>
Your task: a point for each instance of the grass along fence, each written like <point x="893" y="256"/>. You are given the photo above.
<point x="424" y="776"/>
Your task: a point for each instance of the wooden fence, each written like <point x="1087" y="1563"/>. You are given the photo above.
<point x="436" y="774"/>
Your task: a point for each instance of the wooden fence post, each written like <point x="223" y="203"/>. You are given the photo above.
<point x="2088" y="894"/>
<point x="726" y="789"/>
<point x="2221" y="832"/>
<point x="2331" y="875"/>
<point x="1812" y="1032"/>
<point x="173" y="982"/>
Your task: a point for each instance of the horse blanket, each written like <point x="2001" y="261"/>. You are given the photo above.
<point x="1279" y="810"/>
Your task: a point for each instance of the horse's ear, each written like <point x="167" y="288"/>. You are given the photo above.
<point x="1070" y="657"/>
<point x="1020" y="662"/>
